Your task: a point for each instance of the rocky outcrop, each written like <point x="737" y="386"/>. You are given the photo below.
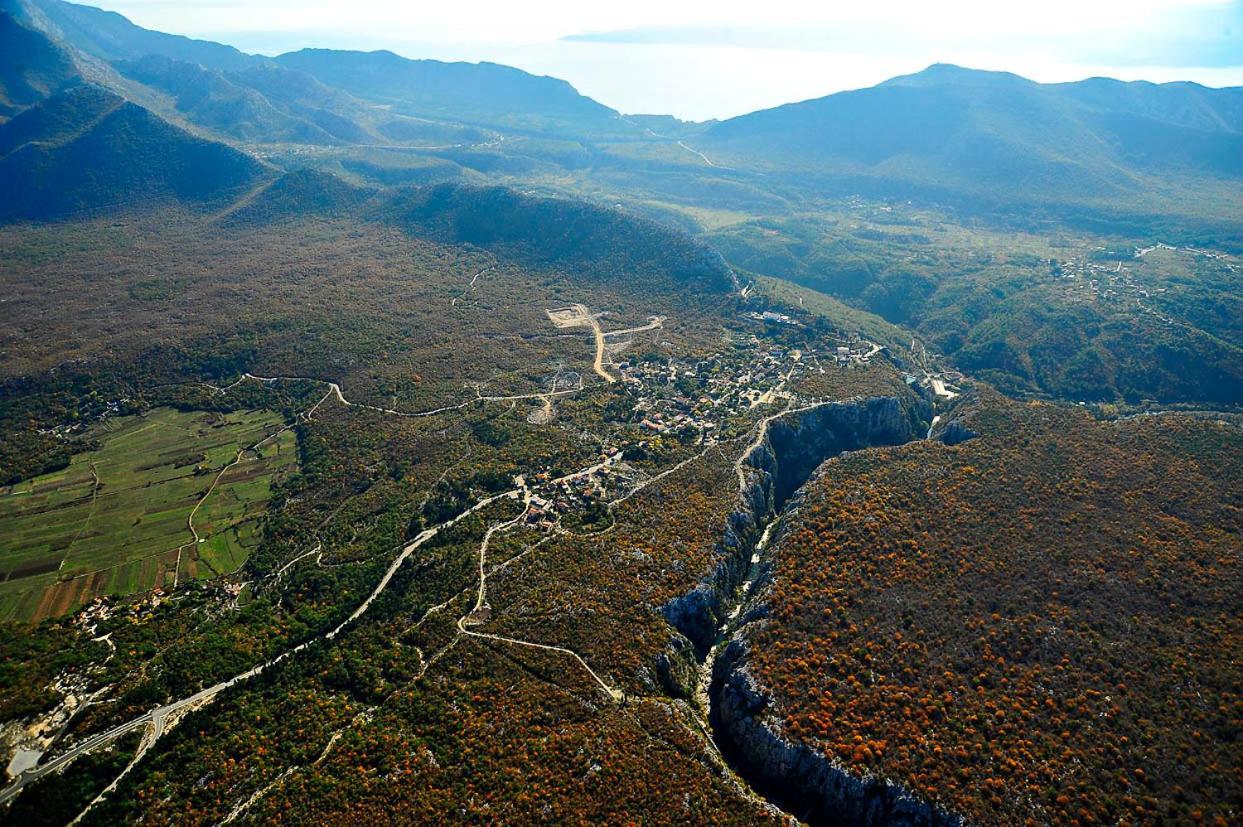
<point x="952" y="426"/>
<point x="803" y="781"/>
<point x="791" y="450"/>
<point x="952" y="432"/>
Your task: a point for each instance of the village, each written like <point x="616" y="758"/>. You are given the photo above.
<point x="1121" y="282"/>
<point x="693" y="404"/>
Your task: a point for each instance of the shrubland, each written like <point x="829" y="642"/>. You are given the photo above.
<point x="1036" y="625"/>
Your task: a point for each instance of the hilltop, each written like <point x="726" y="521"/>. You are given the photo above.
<point x="999" y="137"/>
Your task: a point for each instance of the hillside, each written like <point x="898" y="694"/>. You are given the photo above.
<point x="947" y="623"/>
<point x="1001" y="137"/>
<point x="321" y="95"/>
<point x="596" y="243"/>
<point x="448" y="340"/>
<point x="211" y="99"/>
<point x="86" y="150"/>
<point x="32" y="67"/>
<point x="481" y="93"/>
<point x="1096" y="152"/>
<point x="1035" y="310"/>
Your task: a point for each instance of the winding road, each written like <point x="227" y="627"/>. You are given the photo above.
<point x="579" y="315"/>
<point x="156" y="719"/>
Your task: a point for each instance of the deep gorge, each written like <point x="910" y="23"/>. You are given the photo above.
<point x="710" y="618"/>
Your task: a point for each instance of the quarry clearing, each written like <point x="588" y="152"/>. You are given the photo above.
<point x="579" y="315"/>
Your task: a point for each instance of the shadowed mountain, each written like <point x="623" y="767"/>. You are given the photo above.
<point x="990" y="132"/>
<point x="87" y="150"/>
<point x="58" y="119"/>
<point x="111" y="36"/>
<point x="32" y="67"/>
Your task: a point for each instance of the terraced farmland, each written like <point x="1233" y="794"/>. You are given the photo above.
<point x="116" y="520"/>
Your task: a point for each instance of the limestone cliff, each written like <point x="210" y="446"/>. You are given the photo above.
<point x="791" y="449"/>
<point x="808" y="784"/>
<point x="811" y="786"/>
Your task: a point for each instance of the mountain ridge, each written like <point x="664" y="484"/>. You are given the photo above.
<point x="498" y="94"/>
<point x="87" y="150"/>
<point x="1000" y="133"/>
<point x="33" y="68"/>
<point x="989" y="142"/>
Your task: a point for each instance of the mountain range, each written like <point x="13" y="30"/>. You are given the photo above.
<point x="979" y="132"/>
<point x="86" y="149"/>
<point x="947" y="133"/>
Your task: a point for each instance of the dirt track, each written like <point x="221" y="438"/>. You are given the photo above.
<point x="578" y="315"/>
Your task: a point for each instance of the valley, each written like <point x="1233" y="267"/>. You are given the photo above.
<point x="391" y="440"/>
<point x="542" y="502"/>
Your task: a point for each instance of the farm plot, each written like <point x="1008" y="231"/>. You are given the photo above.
<point x="115" y="520"/>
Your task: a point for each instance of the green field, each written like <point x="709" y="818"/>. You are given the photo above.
<point x="66" y="538"/>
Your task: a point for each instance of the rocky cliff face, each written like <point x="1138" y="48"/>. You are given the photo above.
<point x="800" y="444"/>
<point x="790" y="451"/>
<point x="803" y="781"/>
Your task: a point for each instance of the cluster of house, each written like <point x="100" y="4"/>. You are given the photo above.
<point x="555" y="497"/>
<point x="102" y="608"/>
<point x="1116" y="282"/>
<point x="857" y="351"/>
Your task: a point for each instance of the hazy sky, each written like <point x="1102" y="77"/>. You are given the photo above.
<point x="714" y="59"/>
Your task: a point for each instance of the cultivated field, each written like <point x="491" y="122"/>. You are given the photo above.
<point x="116" y="520"/>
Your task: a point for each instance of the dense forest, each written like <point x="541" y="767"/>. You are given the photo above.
<point x="1063" y="315"/>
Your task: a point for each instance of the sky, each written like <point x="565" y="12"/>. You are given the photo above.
<point x="700" y="60"/>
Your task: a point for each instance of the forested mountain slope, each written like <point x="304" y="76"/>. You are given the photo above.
<point x="31" y="68"/>
<point x="1000" y="136"/>
<point x="86" y="150"/>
